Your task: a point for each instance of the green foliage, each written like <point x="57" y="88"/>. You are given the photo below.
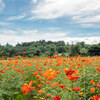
<point x="49" y="48"/>
<point x="83" y="51"/>
<point x="61" y="49"/>
<point x="94" y="50"/>
<point x="19" y="97"/>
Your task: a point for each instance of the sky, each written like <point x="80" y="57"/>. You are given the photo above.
<point x="55" y="20"/>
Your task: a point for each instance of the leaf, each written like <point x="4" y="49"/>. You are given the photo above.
<point x="68" y="96"/>
<point x="19" y="97"/>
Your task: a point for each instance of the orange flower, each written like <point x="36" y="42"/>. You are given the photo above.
<point x="34" y="81"/>
<point x="62" y="86"/>
<point x="24" y="89"/>
<point x="54" y="84"/>
<point x="3" y="56"/>
<point x="88" y="71"/>
<point x="39" y="69"/>
<point x="83" y="59"/>
<point x="47" y="82"/>
<point x="33" y="88"/>
<point x="37" y="76"/>
<point x="59" y="81"/>
<point x="97" y="85"/>
<point x="22" y="71"/>
<point x="70" y="72"/>
<point x="39" y="79"/>
<point x="27" y="87"/>
<point x="40" y="85"/>
<point x="35" y="73"/>
<point x="81" y="94"/>
<point x="73" y="77"/>
<point x="92" y="82"/>
<point x="48" y="95"/>
<point x="31" y="70"/>
<point x="98" y="68"/>
<point x="56" y="97"/>
<point x="50" y="74"/>
<point x="76" y="89"/>
<point x="92" y="90"/>
<point x="95" y="74"/>
<point x="40" y="91"/>
<point x="6" y="68"/>
<point x="24" y="52"/>
<point x="95" y="98"/>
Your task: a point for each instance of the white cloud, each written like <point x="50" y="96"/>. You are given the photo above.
<point x="79" y="10"/>
<point x="18" y="17"/>
<point x="53" y="28"/>
<point x="87" y="25"/>
<point x="7" y="32"/>
<point x="87" y="19"/>
<point x="13" y="37"/>
<point x="2" y="5"/>
<point x="88" y="40"/>
<point x="29" y="32"/>
<point x="35" y="1"/>
<point x="4" y="23"/>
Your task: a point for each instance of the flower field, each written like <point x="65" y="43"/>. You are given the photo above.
<point x="50" y="78"/>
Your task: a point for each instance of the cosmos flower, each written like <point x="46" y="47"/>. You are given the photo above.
<point x="56" y="97"/>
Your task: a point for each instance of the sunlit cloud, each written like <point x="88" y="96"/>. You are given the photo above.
<point x="13" y="37"/>
<point x="35" y="1"/>
<point x="82" y="11"/>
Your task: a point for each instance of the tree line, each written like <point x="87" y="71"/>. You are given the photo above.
<point x="49" y="48"/>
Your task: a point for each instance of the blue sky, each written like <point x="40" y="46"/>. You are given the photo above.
<point x="31" y="20"/>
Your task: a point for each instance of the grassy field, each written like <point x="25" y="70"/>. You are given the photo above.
<point x="57" y="78"/>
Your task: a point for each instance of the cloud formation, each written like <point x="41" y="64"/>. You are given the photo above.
<point x="2" y="5"/>
<point x="4" y="23"/>
<point x="79" y="10"/>
<point x="35" y="1"/>
<point x="66" y="15"/>
<point x="17" y="17"/>
<point x="13" y="37"/>
<point x="8" y="32"/>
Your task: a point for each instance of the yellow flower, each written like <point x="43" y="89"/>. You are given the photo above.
<point x="81" y="94"/>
